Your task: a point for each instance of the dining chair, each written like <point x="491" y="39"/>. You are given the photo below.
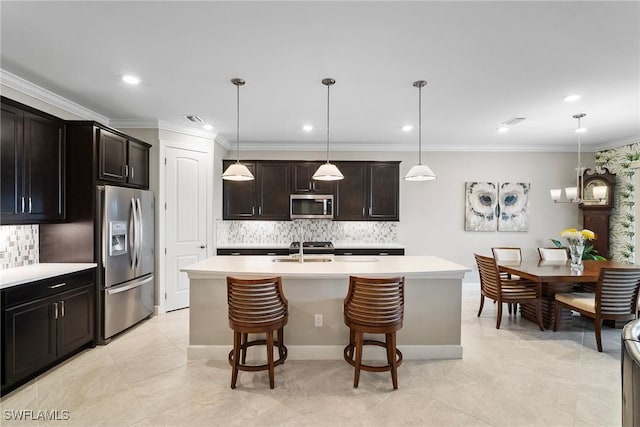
<point x="508" y="254"/>
<point x="520" y="291"/>
<point x="553" y="254"/>
<point x="616" y="298"/>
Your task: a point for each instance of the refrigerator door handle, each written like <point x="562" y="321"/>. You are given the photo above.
<point x="103" y="213"/>
<point x="139" y="237"/>
<point x="132" y="234"/>
<point x="117" y="290"/>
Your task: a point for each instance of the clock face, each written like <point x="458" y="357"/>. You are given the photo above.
<point x="593" y="192"/>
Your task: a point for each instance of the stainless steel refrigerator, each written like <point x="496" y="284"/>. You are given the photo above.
<point x="125" y="258"/>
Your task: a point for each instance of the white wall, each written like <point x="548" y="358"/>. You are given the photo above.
<point x="432" y="213"/>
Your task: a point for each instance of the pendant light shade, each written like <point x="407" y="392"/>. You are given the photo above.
<point x="574" y="194"/>
<point x="420" y="172"/>
<point x="237" y="171"/>
<point x="328" y="171"/>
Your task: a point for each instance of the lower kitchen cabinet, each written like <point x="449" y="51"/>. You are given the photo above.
<point x="43" y="325"/>
<point x="369" y="251"/>
<point x="272" y="252"/>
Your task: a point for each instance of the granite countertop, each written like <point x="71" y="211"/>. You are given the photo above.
<point x="30" y="273"/>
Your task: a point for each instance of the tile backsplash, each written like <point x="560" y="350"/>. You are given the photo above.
<point x="285" y="232"/>
<point x="19" y="245"/>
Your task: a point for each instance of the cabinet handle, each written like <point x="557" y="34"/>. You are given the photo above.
<point x="235" y="253"/>
<point x="313" y="185"/>
<point x="383" y="253"/>
<point x="126" y="171"/>
<point x="22" y="201"/>
<point x="271" y="253"/>
<point x="132" y="172"/>
<point x="61" y="308"/>
<point x="59" y="285"/>
<point x="260" y="210"/>
<point x="55" y="310"/>
<point x="30" y="205"/>
<point x="370" y="210"/>
<point x="363" y="208"/>
<point x="253" y="210"/>
<point x="348" y="253"/>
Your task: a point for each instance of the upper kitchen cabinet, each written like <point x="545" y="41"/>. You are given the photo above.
<point x="302" y="181"/>
<point x="265" y="198"/>
<point x="122" y="159"/>
<point x="32" y="156"/>
<point x="368" y="192"/>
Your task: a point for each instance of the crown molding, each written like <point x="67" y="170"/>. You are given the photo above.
<point x="618" y="143"/>
<point x="28" y="88"/>
<point x="162" y="125"/>
<point x="223" y="143"/>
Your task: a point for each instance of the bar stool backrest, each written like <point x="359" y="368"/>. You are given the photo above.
<point x="375" y="302"/>
<point x="256" y="304"/>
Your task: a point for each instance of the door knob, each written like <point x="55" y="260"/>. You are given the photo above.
<point x="202" y="246"/>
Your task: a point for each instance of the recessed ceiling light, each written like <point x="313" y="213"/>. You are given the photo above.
<point x="193" y="118"/>
<point x="130" y="79"/>
<point x="571" y="98"/>
<point x="307" y="128"/>
<point x="407" y="128"/>
<point x="503" y="129"/>
<point x="207" y="127"/>
<point x="581" y="130"/>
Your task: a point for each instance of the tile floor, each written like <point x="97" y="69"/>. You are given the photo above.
<point x="515" y="376"/>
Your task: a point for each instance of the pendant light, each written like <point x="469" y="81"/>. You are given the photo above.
<point x="420" y="172"/>
<point x="328" y="171"/>
<point x="576" y="194"/>
<point x="237" y="171"/>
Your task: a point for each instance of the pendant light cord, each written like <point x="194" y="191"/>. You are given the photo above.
<point x="420" y="125"/>
<point x="328" y="88"/>
<point x="238" y="123"/>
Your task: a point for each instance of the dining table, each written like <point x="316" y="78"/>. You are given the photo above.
<point x="556" y="277"/>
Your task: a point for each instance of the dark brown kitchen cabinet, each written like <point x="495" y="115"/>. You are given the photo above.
<point x="32" y="156"/>
<point x="265" y="198"/>
<point x="122" y="159"/>
<point x="44" y="322"/>
<point x="302" y="181"/>
<point x="368" y="192"/>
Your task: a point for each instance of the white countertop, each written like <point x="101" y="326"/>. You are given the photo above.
<point x="340" y="266"/>
<point x="30" y="273"/>
<point x="337" y="245"/>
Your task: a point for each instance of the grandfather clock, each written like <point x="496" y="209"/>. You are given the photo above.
<point x="596" y="205"/>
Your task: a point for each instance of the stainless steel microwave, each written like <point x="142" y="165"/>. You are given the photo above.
<point x="311" y="206"/>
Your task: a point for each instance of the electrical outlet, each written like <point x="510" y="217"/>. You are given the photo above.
<point x="318" y="320"/>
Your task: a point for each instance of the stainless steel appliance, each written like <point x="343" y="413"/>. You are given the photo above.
<point x="311" y="248"/>
<point x="311" y="206"/>
<point x="126" y="258"/>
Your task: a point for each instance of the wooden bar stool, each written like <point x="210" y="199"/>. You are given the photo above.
<point x="256" y="306"/>
<point x="374" y="306"/>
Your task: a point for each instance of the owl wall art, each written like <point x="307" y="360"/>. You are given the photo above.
<point x="490" y="206"/>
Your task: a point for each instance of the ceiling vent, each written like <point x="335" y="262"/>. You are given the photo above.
<point x="194" y="119"/>
<point x="513" y="121"/>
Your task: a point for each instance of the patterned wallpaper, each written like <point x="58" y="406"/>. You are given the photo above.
<point x="623" y="219"/>
<point x="285" y="232"/>
<point x="19" y="245"/>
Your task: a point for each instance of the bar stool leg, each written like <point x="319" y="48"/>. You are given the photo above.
<point x="236" y="357"/>
<point x="281" y="342"/>
<point x="245" y="338"/>
<point x="270" y="358"/>
<point x="391" y="357"/>
<point x="358" y="361"/>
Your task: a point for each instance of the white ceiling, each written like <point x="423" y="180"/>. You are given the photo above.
<point x="485" y="62"/>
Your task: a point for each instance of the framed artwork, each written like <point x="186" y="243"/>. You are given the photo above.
<point x="513" y="205"/>
<point x="481" y="206"/>
<point x="490" y="206"/>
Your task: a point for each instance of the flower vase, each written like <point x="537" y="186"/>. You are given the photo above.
<point x="576" y="250"/>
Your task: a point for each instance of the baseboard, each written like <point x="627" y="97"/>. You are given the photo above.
<point x="329" y="352"/>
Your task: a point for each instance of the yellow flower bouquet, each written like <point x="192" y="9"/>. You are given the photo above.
<point x="577" y="237"/>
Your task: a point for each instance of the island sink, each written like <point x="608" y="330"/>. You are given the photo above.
<point x="305" y="261"/>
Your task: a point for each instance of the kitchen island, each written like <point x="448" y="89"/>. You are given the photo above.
<point x="433" y="288"/>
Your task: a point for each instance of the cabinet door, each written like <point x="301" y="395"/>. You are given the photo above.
<point x="11" y="164"/>
<point x="383" y="191"/>
<point x="350" y="196"/>
<point x="138" y="164"/>
<point x="75" y="320"/>
<point x="302" y="181"/>
<point x="44" y="168"/>
<point x="29" y="339"/>
<point x="112" y="156"/>
<point x="273" y="190"/>
<point x="239" y="197"/>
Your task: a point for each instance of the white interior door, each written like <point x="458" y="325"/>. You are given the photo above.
<point x="186" y="224"/>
